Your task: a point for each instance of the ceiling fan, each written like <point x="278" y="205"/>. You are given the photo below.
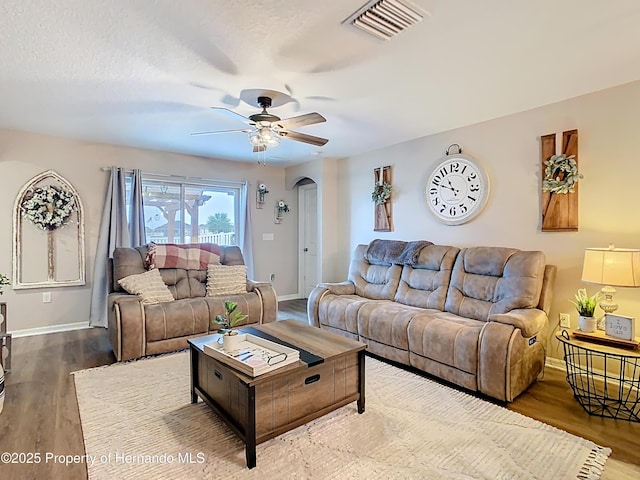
<point x="268" y="129"/>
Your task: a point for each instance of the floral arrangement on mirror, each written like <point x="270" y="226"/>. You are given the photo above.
<point x="48" y="207"/>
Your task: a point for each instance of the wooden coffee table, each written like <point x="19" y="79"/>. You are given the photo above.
<point x="329" y="375"/>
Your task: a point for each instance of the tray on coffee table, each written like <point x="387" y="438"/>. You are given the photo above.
<point x="253" y="355"/>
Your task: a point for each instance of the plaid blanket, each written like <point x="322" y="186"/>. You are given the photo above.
<point x="190" y="256"/>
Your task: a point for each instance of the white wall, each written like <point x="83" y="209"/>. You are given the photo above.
<point x="24" y="155"/>
<point x="608" y="124"/>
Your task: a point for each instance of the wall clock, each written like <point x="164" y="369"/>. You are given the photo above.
<point x="457" y="189"/>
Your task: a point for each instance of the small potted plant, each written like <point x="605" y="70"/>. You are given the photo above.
<point x="586" y="307"/>
<point x="231" y="318"/>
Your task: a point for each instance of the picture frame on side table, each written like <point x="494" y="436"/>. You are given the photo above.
<point x="620" y="326"/>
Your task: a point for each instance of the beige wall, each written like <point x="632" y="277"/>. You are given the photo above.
<point x="24" y="155"/>
<point x="609" y="157"/>
<point x="508" y="147"/>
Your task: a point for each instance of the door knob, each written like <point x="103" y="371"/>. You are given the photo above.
<point x="305" y="249"/>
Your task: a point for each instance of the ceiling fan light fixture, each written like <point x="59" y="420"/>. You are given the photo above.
<point x="267" y="129"/>
<point x="269" y="137"/>
<point x="264" y="137"/>
<point x="255" y="139"/>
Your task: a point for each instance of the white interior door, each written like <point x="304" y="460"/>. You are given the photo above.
<point x="308" y="238"/>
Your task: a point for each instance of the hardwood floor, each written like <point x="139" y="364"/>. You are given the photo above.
<point x="41" y="413"/>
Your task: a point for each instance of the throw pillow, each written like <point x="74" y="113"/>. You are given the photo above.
<point x="226" y="280"/>
<point x="149" y="287"/>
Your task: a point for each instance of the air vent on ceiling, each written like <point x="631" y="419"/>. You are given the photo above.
<point x="385" y="19"/>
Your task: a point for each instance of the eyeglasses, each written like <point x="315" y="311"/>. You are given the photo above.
<point x="265" y="355"/>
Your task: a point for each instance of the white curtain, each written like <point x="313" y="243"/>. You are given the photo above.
<point x="246" y="237"/>
<point x="115" y="231"/>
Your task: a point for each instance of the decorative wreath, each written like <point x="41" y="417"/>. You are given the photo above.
<point x="561" y="174"/>
<point x="48" y="207"/>
<point x="381" y="193"/>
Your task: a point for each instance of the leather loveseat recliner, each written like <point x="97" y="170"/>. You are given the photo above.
<point x="137" y="329"/>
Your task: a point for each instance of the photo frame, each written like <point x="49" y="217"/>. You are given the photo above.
<point x="620" y="326"/>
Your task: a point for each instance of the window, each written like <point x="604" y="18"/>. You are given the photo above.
<point x="190" y="211"/>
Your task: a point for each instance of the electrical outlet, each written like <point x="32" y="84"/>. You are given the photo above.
<point x="565" y="320"/>
<point x="46" y="297"/>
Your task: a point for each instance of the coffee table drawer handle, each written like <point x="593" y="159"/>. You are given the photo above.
<point x="217" y="374"/>
<point x="312" y="379"/>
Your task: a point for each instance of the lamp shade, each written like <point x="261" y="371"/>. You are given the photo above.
<point x="617" y="267"/>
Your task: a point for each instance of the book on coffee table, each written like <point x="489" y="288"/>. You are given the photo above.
<point x="253" y="355"/>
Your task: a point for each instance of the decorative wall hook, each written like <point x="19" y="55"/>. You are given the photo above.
<point x="260" y="193"/>
<point x="454" y="144"/>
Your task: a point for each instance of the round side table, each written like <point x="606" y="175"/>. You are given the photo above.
<point x="605" y="380"/>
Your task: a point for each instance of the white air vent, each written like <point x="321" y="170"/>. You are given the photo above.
<point x="386" y="18"/>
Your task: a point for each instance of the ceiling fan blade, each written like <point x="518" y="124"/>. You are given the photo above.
<point x="259" y="148"/>
<point x="244" y="130"/>
<point x="235" y="115"/>
<point x="301" y="120"/>
<point x="303" y="137"/>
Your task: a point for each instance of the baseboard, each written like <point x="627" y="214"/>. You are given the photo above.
<point x="65" y="327"/>
<point x="555" y="363"/>
<point x="558" y="364"/>
<point x="294" y="296"/>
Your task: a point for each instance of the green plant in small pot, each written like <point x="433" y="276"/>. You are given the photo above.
<point x="586" y="306"/>
<point x="232" y="317"/>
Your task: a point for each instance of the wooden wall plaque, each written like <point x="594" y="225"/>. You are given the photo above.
<point x="382" y="213"/>
<point x="559" y="210"/>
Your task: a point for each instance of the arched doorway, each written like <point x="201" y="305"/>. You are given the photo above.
<point x="307" y="236"/>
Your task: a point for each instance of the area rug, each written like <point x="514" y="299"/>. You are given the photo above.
<point x="138" y="422"/>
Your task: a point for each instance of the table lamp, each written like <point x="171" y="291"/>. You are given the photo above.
<point x="611" y="267"/>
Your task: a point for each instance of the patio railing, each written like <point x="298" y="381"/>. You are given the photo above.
<point x="218" y="238"/>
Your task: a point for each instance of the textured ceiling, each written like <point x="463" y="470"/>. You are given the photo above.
<point x="145" y="72"/>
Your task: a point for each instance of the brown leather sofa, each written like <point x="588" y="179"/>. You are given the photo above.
<point x="136" y="329"/>
<point x="474" y="316"/>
